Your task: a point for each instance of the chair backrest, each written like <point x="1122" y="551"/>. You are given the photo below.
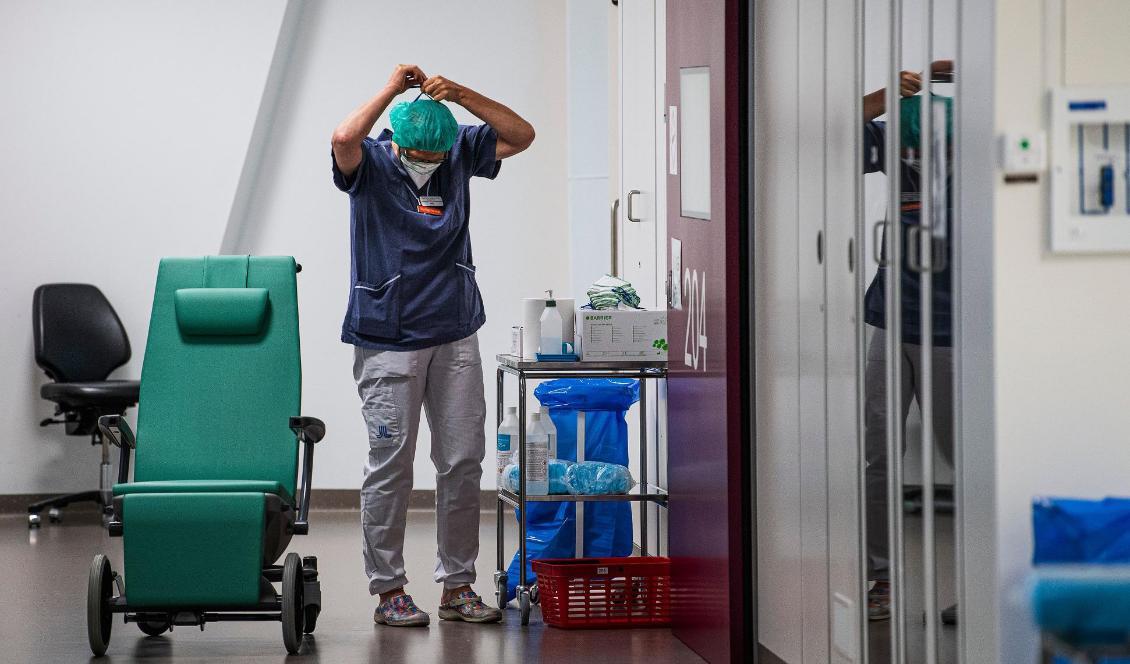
<point x="78" y="335"/>
<point x="222" y="372"/>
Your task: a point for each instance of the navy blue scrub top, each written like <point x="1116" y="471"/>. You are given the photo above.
<point x="875" y="301"/>
<point x="412" y="277"/>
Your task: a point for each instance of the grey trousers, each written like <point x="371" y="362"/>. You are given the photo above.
<point x="875" y="421"/>
<point x="447" y="381"/>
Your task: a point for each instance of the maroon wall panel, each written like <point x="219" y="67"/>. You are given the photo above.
<point x="707" y="474"/>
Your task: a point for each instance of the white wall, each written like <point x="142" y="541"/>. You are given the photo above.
<point x="343" y="54"/>
<point x="123" y="139"/>
<point x="1062" y="371"/>
<point x="126" y="126"/>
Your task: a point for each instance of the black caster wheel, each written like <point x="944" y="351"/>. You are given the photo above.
<point x="153" y="627"/>
<point x="524" y="605"/>
<point x="500" y="583"/>
<point x="310" y="619"/>
<point x="99" y="593"/>
<point x="535" y="594"/>
<point x="54" y="515"/>
<point x="292" y="614"/>
<point x="34" y="520"/>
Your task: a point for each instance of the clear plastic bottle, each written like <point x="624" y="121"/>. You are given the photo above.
<point x="551" y="429"/>
<point x="537" y="457"/>
<point x="507" y="440"/>
<point x="551" y="328"/>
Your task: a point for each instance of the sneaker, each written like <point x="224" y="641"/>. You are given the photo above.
<point x="879" y="601"/>
<point x="469" y="607"/>
<point x="400" y="611"/>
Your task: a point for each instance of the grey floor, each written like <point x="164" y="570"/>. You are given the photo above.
<point x="879" y="632"/>
<point x="43" y="619"/>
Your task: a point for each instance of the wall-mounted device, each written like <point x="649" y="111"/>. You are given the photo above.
<point x="1090" y="192"/>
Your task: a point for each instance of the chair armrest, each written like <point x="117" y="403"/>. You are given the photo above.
<point x="116" y="428"/>
<point x="309" y="430"/>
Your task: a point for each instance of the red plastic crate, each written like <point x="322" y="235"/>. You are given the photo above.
<point x="596" y="593"/>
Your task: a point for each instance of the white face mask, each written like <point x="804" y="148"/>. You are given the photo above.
<point x="419" y="171"/>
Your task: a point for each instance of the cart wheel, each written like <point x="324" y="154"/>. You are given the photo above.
<point x="153" y="627"/>
<point x="54" y="515"/>
<point x="34" y="520"/>
<point x="500" y="582"/>
<point x="292" y="613"/>
<point x="535" y="594"/>
<point x="99" y="592"/>
<point x="524" y="605"/>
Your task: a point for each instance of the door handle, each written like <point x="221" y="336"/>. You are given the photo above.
<point x="631" y="217"/>
<point x="877" y="241"/>
<point x="615" y="239"/>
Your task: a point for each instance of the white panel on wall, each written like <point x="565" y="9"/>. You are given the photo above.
<point x="123" y="142"/>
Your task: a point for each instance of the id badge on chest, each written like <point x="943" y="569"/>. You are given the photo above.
<point x="432" y="205"/>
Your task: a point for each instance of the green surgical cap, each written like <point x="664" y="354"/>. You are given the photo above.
<point x="910" y="120"/>
<point x="424" y="124"/>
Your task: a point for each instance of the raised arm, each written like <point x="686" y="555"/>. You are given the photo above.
<point x="357" y="125"/>
<point x="910" y="83"/>
<point x="514" y="133"/>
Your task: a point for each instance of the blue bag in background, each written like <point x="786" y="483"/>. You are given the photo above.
<point x="1070" y="530"/>
<point x="551" y="530"/>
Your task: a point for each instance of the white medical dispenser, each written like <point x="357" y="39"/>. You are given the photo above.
<point x="1090" y="185"/>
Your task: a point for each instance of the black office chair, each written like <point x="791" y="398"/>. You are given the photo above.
<point x="79" y="341"/>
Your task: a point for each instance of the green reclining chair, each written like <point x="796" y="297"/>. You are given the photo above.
<point x="213" y="503"/>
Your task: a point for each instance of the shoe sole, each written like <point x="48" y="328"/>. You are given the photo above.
<point x="451" y="614"/>
<point x="406" y="623"/>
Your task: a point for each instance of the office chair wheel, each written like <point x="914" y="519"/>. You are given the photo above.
<point x="153" y="627"/>
<point x="33" y="520"/>
<point x="54" y="515"/>
<point x="292" y="613"/>
<point x="99" y="592"/>
<point x="310" y="619"/>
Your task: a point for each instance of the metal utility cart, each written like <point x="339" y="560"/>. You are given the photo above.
<point x="643" y="493"/>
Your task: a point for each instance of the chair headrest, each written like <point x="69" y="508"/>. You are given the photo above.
<point x="220" y="311"/>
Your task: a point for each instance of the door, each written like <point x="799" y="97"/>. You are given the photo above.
<point x="709" y="447"/>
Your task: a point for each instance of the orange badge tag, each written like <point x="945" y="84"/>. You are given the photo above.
<point x="423" y="209"/>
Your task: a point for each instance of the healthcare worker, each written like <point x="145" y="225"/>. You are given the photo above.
<point x="414" y="309"/>
<point x="910" y="353"/>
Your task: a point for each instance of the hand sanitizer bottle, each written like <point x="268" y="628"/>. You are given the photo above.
<point x="551" y="327"/>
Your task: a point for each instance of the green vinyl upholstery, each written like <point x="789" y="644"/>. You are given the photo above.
<point x="216" y="407"/>
<point x="205" y="486"/>
<point x="216" y="461"/>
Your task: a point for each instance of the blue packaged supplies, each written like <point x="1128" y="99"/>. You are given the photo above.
<point x="551" y="530"/>
<point x="557" y="471"/>
<point x="597" y="478"/>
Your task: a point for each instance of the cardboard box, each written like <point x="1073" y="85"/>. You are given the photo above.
<point x="621" y="335"/>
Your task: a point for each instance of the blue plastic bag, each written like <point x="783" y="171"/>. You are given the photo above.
<point x="598" y="478"/>
<point x="551" y="526"/>
<point x="557" y="471"/>
<point x="1068" y="530"/>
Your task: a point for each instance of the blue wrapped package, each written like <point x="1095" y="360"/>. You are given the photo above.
<point x="1068" y="530"/>
<point x="551" y="526"/>
<point x="597" y="478"/>
<point x="557" y="471"/>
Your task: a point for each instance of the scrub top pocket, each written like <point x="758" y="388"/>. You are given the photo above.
<point x="471" y="301"/>
<point x="376" y="310"/>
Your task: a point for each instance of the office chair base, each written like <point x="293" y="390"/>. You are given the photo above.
<point x="53" y="505"/>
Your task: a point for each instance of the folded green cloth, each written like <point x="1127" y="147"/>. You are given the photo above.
<point x="608" y="292"/>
